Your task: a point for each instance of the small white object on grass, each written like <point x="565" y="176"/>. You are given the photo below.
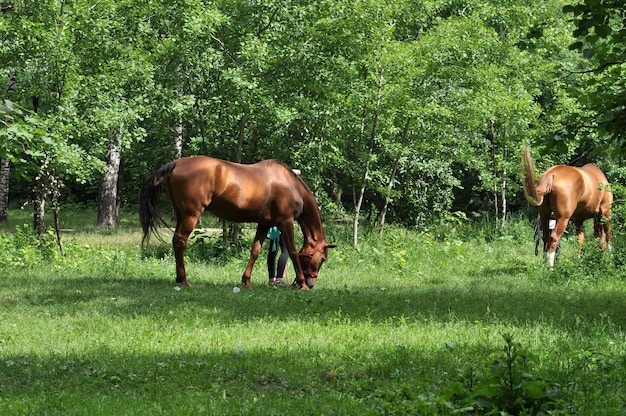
<point x="236" y="289"/>
<point x="176" y="287"/>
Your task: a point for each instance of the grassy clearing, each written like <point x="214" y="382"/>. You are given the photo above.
<point x="410" y="323"/>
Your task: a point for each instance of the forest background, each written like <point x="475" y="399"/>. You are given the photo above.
<point x="407" y="111"/>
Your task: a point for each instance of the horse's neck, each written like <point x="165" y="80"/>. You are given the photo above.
<point x="311" y="222"/>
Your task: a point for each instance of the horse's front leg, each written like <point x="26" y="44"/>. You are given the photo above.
<point x="259" y="237"/>
<point x="287" y="233"/>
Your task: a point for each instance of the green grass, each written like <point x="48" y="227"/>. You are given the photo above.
<point x="388" y="329"/>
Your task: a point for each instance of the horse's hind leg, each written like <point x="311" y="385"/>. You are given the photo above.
<point x="602" y="226"/>
<point x="580" y="232"/>
<point x="261" y="233"/>
<point x="607" y="231"/>
<point x="602" y="230"/>
<point x="553" y="240"/>
<point x="184" y="227"/>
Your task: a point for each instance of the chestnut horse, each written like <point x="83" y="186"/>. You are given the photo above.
<point x="568" y="192"/>
<point x="267" y="193"/>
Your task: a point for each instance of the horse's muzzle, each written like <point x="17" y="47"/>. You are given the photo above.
<point x="310" y="281"/>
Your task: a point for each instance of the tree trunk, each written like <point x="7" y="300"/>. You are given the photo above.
<point x="235" y="228"/>
<point x="494" y="165"/>
<point x="178" y="139"/>
<point x="39" y="212"/>
<point x="241" y="137"/>
<point x="503" y="183"/>
<point x="359" y="202"/>
<point x="495" y="201"/>
<point x="392" y="175"/>
<point x="40" y="190"/>
<point x="357" y="208"/>
<point x="5" y="169"/>
<point x="499" y="174"/>
<point x="55" y="191"/>
<point x="108" y="192"/>
<point x="178" y="136"/>
<point x="120" y="184"/>
<point x="5" y="165"/>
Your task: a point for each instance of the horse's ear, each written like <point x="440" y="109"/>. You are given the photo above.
<point x="331" y="245"/>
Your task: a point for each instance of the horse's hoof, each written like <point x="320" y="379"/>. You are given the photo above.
<point x="304" y="287"/>
<point x="184" y="283"/>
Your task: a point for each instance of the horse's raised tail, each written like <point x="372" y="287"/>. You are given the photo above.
<point x="148" y="200"/>
<point x="529" y="182"/>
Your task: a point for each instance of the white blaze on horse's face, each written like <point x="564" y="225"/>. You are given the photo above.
<point x="550" y="258"/>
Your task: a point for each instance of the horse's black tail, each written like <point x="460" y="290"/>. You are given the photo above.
<point x="149" y="199"/>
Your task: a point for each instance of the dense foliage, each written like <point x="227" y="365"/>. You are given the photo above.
<point x="420" y="106"/>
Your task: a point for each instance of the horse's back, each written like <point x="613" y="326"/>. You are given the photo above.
<point x="594" y="172"/>
<point x="236" y="192"/>
<point x="579" y="191"/>
<point x="602" y="185"/>
<point x="217" y="172"/>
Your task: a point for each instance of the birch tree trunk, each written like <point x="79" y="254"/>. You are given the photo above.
<point x="40" y="191"/>
<point x="494" y="165"/>
<point x="108" y="192"/>
<point x="178" y="139"/>
<point x="39" y="210"/>
<point x="499" y="174"/>
<point x="178" y="136"/>
<point x="359" y="202"/>
<point x="357" y="208"/>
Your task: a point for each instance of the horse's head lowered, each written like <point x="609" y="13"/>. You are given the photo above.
<point x="311" y="261"/>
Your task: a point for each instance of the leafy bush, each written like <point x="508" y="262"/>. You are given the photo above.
<point x="210" y="247"/>
<point x="25" y="248"/>
<point x="510" y="387"/>
<point x="592" y="263"/>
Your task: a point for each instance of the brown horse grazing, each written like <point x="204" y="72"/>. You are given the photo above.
<point x="568" y="192"/>
<point x="267" y="193"/>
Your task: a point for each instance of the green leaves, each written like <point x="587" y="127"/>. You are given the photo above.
<point x="30" y="139"/>
<point x="600" y="30"/>
<point x="428" y="94"/>
<point x="511" y="386"/>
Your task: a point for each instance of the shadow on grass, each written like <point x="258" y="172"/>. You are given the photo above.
<point x="265" y="382"/>
<point x="486" y="300"/>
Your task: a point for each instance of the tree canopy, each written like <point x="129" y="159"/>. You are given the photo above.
<point x="408" y="110"/>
